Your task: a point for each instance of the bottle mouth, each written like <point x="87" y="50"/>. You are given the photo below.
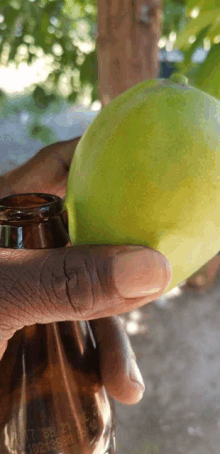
<point x="37" y="207"/>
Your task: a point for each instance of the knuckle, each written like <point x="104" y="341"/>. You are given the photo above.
<point x="84" y="286"/>
<point x="65" y="286"/>
<point x="82" y="283"/>
<point x="53" y="285"/>
<point x="19" y="293"/>
<point x="13" y="304"/>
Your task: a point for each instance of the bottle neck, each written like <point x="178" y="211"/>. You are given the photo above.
<point x="32" y="221"/>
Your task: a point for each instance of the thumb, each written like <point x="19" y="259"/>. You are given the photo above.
<point x="75" y="283"/>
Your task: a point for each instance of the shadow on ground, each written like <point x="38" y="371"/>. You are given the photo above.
<point x="179" y="357"/>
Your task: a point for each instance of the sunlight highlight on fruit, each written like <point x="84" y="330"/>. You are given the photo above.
<point x="147" y="171"/>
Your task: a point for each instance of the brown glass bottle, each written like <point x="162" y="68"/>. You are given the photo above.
<point x="52" y="400"/>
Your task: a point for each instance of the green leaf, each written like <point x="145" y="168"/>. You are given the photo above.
<point x="95" y="92"/>
<point x="2" y="97"/>
<point x="54" y="8"/>
<point x="172" y="15"/>
<point x="42" y="133"/>
<point x="208" y="75"/>
<point x="41" y="99"/>
<point x="68" y="58"/>
<point x="214" y="31"/>
<point x="73" y="9"/>
<point x="184" y="66"/>
<point x="30" y="58"/>
<point x="198" y="42"/>
<point x="203" y="5"/>
<point x="10" y="15"/>
<point x="88" y="70"/>
<point x="72" y="97"/>
<point x="3" y="3"/>
<point x="194" y="27"/>
<point x="44" y="24"/>
<point x="13" y="51"/>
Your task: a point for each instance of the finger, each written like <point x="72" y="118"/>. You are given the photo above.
<point x="120" y="373"/>
<point x="3" y="346"/>
<point x="77" y="283"/>
<point x="47" y="171"/>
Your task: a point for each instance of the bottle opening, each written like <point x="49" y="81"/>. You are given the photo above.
<point x="35" y="206"/>
<point x="26" y="200"/>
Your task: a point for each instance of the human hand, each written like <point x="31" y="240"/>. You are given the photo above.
<point x="92" y="282"/>
<point x="47" y="171"/>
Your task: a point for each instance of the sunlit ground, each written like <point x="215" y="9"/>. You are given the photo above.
<point x="135" y="322"/>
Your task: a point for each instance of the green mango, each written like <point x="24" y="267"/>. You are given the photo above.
<point x="147" y="172"/>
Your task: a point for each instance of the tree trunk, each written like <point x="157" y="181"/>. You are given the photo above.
<point x="128" y="34"/>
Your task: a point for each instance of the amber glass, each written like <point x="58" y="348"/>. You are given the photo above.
<point x="52" y="400"/>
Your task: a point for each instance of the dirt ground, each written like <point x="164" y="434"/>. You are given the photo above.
<point x="179" y="357"/>
<point x="176" y="339"/>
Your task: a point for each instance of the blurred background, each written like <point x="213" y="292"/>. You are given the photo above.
<point x="53" y="60"/>
<point x="60" y="63"/>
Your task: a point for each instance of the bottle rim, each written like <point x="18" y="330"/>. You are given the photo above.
<point x="31" y="206"/>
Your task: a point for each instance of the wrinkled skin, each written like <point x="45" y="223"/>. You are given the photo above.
<point x="42" y="274"/>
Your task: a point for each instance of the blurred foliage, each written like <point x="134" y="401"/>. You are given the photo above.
<point x="200" y="29"/>
<point x="64" y="33"/>
<point x="173" y="17"/>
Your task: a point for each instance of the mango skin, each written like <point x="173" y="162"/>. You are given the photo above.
<point x="147" y="172"/>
